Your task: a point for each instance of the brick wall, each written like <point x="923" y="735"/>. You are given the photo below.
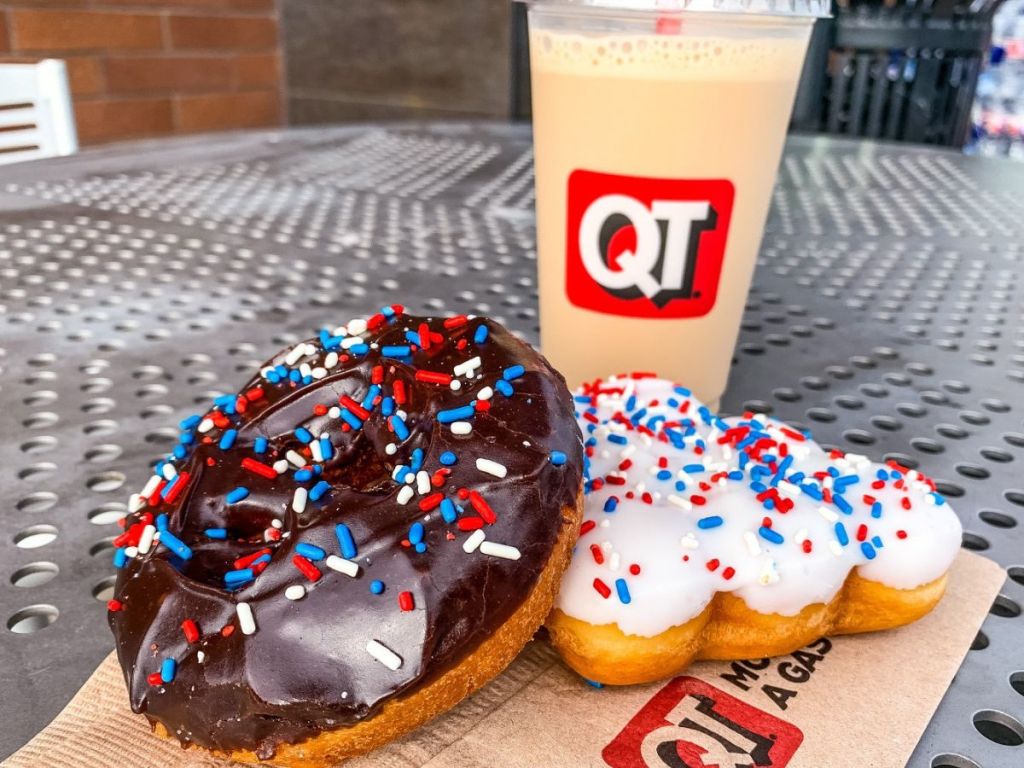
<point x="155" y="67"/>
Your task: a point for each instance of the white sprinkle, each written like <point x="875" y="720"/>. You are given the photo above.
<point x="769" y="573"/>
<point x="828" y="514"/>
<point x="299" y="500"/>
<point x="474" y="540"/>
<point x="455" y="385"/>
<point x="466" y="368"/>
<point x="357" y="325"/>
<point x="751" y="541"/>
<point x="331" y="360"/>
<point x="405" y="494"/>
<point x="422" y="482"/>
<point x="310" y="349"/>
<point x="319" y="373"/>
<point x="169" y="472"/>
<point x="628" y="451"/>
<point x="679" y="501"/>
<point x="293" y="356"/>
<point x="390" y="449"/>
<point x="527" y="443"/>
<point x="131" y="551"/>
<point x="384" y="655"/>
<point x="491" y="467"/>
<point x="146" y="539"/>
<point x="275" y="523"/>
<point x="200" y="657"/>
<point x="341" y="330"/>
<point x="613" y="561"/>
<point x="394" y="473"/>
<point x="150" y="488"/>
<point x="280" y="466"/>
<point x="305" y="370"/>
<point x="341" y="565"/>
<point x="351" y="341"/>
<point x="836" y="547"/>
<point x="334" y="412"/>
<point x="689" y="541"/>
<point x="295" y="458"/>
<point x="461" y="427"/>
<point x="295" y="592"/>
<point x="317" y="451"/>
<point x="485" y="394"/>
<point x="606" y="523"/>
<point x="246" y="621"/>
<point x="410" y="478"/>
<point x="136" y="502"/>
<point x="265" y="373"/>
<point x="494" y="549"/>
<point x="788" y="489"/>
<point x="606" y="545"/>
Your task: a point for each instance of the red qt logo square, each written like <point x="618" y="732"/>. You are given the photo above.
<point x="646" y="247"/>
<point x="690" y="724"/>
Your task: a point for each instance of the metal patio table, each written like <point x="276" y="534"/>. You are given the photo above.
<point x="138" y="281"/>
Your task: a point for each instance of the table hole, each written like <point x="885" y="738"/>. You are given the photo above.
<point x="898" y="379"/>
<point x="823" y="415"/>
<point x="874" y="390"/>
<point x="42" y="360"/>
<point x="107" y="514"/>
<point x="98" y="405"/>
<point x="39" y="469"/>
<point x="1005" y="607"/>
<point x="105" y="482"/>
<point x="1017" y="682"/>
<point x="946" y="488"/>
<point x="34" y="574"/>
<point x="41" y="420"/>
<point x="995" y="726"/>
<point x="912" y="410"/>
<point x="996" y="454"/>
<point x="859" y="437"/>
<point x="102" y="546"/>
<point x="995" y="405"/>
<point x="957" y="387"/>
<point x="101" y="454"/>
<point x="905" y="461"/>
<point x="980" y="641"/>
<point x="973" y="471"/>
<point x="839" y="371"/>
<point x="997" y="519"/>
<point x="100" y="427"/>
<point x="32" y="618"/>
<point x="147" y="372"/>
<point x="1016" y="573"/>
<point x="103" y="590"/>
<point x="758" y="406"/>
<point x="948" y="760"/>
<point x="752" y="349"/>
<point x="162" y="436"/>
<point x="974" y="542"/>
<point x="849" y="402"/>
<point x="888" y="423"/>
<point x="927" y="445"/>
<point x="154" y="411"/>
<point x="149" y="391"/>
<point x="202" y="377"/>
<point x="40" y="501"/>
<point x="933" y="397"/>
<point x="40" y="397"/>
<point x="975" y="418"/>
<point x="35" y="536"/>
<point x="41" y="444"/>
<point x="814" y="382"/>
<point x="786" y="395"/>
<point x="94" y="386"/>
<point x="1014" y="497"/>
<point x="40" y="376"/>
<point x="920" y="369"/>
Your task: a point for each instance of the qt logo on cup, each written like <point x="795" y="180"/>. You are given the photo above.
<point x="643" y="247"/>
<point x="690" y="724"/>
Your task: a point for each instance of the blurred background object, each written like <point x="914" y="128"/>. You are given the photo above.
<point x="154" y="67"/>
<point x="999" y="108"/>
<point x="36" y="118"/>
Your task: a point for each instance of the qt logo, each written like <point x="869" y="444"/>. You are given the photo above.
<point x="690" y="724"/>
<point x="644" y="247"/>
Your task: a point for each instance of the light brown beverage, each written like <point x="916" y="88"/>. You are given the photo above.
<point x="656" y="152"/>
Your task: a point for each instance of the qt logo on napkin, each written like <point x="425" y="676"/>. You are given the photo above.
<point x="690" y="724"/>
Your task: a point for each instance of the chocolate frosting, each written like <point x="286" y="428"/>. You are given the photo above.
<point x="306" y="668"/>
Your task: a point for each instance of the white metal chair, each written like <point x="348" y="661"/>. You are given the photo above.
<point x="36" y="119"/>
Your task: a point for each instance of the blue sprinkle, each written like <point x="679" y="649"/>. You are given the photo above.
<point x="318" y="490"/>
<point x="768" y="504"/>
<point x="186" y="438"/>
<point x="582" y="398"/>
<point x="480" y="336"/>
<point x="303" y="435"/>
<point x="843" y="504"/>
<point x="216" y="533"/>
<point x="260" y="445"/>
<point x="190" y="423"/>
<point x="387" y="406"/>
<point x="348" y="544"/>
<point x="228" y="439"/>
<point x="593" y="683"/>
<point x="359" y="349"/>
<point x="504" y="388"/>
<point x="371" y="395"/>
<point x="456" y="414"/>
<point x="412" y="337"/>
<point x="683" y="391"/>
<point x="618" y="439"/>
<point x="241" y="492"/>
<point x="448" y="458"/>
<point x="631" y="403"/>
<point x="558" y="458"/>
<point x="350" y="418"/>
<point x="841" y="534"/>
<point x="769" y="535"/>
<point x="388" y="311"/>
<point x="168" y="669"/>
<point x="693" y="469"/>
<point x="712" y="521"/>
<point x="302" y="475"/>
<point x="877" y="541"/>
<point x="868" y="550"/>
<point x="396" y="350"/>
<point x="416" y="533"/>
<point x="401" y="431"/>
<point x="448" y="511"/>
<point x="664" y="474"/>
<point x="377" y="587"/>
<point x="680" y="485"/>
<point x="326" y="447"/>
<point x="295" y="376"/>
<point x="310" y="551"/>
<point x="403" y="472"/>
<point x="265" y="558"/>
<point x="416" y="463"/>
<point x="939" y="498"/>
<point x="120" y="558"/>
<point x="812" y="490"/>
<point x="281" y="370"/>
<point x="735" y="475"/>
<point x="161" y="522"/>
<point x="611" y="504"/>
<point x="623" y="590"/>
<point x="179" y="452"/>
<point x="876" y="509"/>
<point x="272" y="377"/>
<point x="176" y="545"/>
<point x="420" y="548"/>
<point x="241" y="576"/>
<point x="882" y="474"/>
<point x="513" y="372"/>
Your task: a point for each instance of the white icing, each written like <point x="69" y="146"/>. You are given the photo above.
<point x="673" y="551"/>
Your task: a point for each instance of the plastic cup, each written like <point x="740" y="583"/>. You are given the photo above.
<point x="658" y="129"/>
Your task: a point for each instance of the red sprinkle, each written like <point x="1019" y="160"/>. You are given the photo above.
<point x="355" y="407"/>
<point x="602" y="589"/>
<point x="433" y="377"/>
<point x="228" y="630"/>
<point x="178" y="488"/>
<point x="587" y="527"/>
<point x="254" y="394"/>
<point x="634" y="569"/>
<point x="712" y="564"/>
<point x="424" y="332"/>
<point x="483" y="405"/>
<point x="377" y="374"/>
<point x="862" y="532"/>
<point x="154" y="679"/>
<point x="469" y="523"/>
<point x="259" y="468"/>
<point x="399" y="390"/>
<point x="430" y="502"/>
<point x="728" y="573"/>
<point x="190" y="629"/>
<point x="114" y="605"/>
<point x="905" y="502"/>
<point x="482" y="507"/>
<point x="309" y="570"/>
<point x="245" y="562"/>
<point x="595" y="550"/>
<point x="901" y="534"/>
<point x="807" y="546"/>
<point x="405" y="601"/>
<point x="455" y="322"/>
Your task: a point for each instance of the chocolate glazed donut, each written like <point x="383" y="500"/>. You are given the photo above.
<point x="370" y="513"/>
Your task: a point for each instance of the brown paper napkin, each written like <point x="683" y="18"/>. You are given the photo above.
<point x="813" y="708"/>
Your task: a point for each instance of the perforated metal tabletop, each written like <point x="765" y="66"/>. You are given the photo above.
<point x="139" y="281"/>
